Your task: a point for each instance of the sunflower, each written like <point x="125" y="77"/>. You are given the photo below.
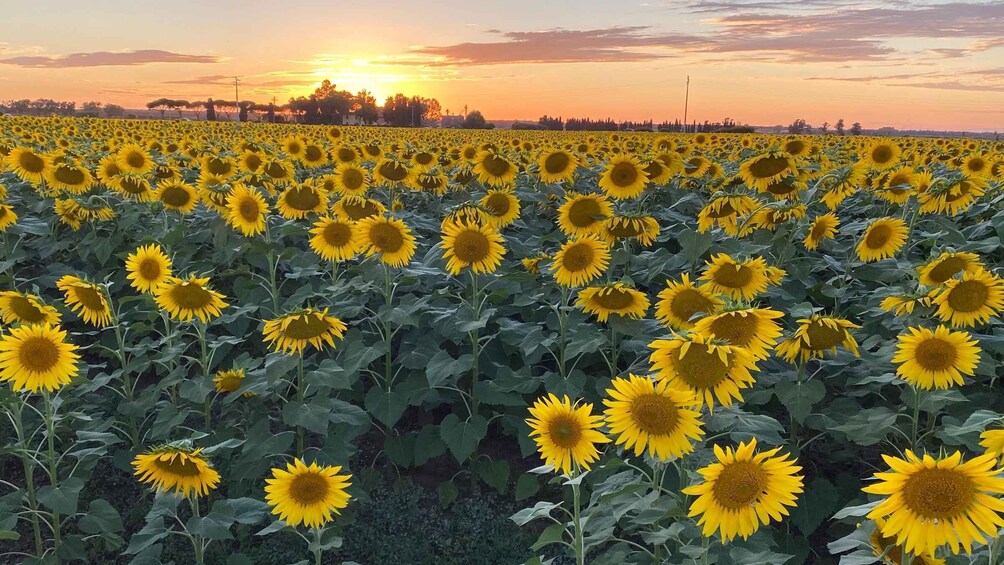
<point x="936" y="359"/>
<point x="644" y="229"/>
<point x="532" y="264"/>
<point x="953" y="198"/>
<point x="752" y="328"/>
<point x="279" y="172"/>
<point x="177" y="195"/>
<point x="881" y="155"/>
<point x="583" y="214"/>
<point x="946" y="266"/>
<point x="823" y="227"/>
<point x="357" y="208"/>
<point x="557" y="166"/>
<point x="219" y="165"/>
<point x="433" y="181"/>
<point x="743" y="490"/>
<point x="226" y="382"/>
<point x="69" y="177"/>
<point x="37" y="356"/>
<point x="494" y="170"/>
<point x="132" y="158"/>
<point x="976" y="165"/>
<point x="892" y="554"/>
<point x="566" y="434"/>
<point x="300" y="200"/>
<point x="469" y="246"/>
<point x="623" y="178"/>
<point x="615" y="298"/>
<point x="313" y="155"/>
<point x="739" y="280"/>
<point x="86" y="299"/>
<point x="762" y="170"/>
<point x="645" y="414"/>
<point x="184" y="299"/>
<point x="503" y="208"/>
<point x="69" y="212"/>
<point x="133" y="187"/>
<point x="817" y="335"/>
<point x="390" y="237"/>
<point x="579" y="261"/>
<point x="247" y="211"/>
<point x="932" y="502"/>
<point x="334" y="239"/>
<point x="725" y="211"/>
<point x="969" y="300"/>
<point x="20" y="308"/>
<point x="307" y="494"/>
<point x="293" y="332"/>
<point x="901" y="305"/>
<point x="681" y="301"/>
<point x="882" y="239"/>
<point x="148" y="267"/>
<point x="28" y="165"/>
<point x="391" y="172"/>
<point x="7" y="217"/>
<point x="710" y="371"/>
<point x="176" y="468"/>
<point x="993" y="442"/>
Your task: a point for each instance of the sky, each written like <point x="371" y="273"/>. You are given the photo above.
<point x="909" y="64"/>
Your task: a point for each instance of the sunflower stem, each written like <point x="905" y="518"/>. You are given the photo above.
<point x="200" y="330"/>
<point x="317" y="548"/>
<point x="995" y="551"/>
<point x="388" y="335"/>
<point x="563" y="327"/>
<point x="127" y="383"/>
<point x="475" y="340"/>
<point x="29" y="476"/>
<point x="580" y="553"/>
<point x="196" y="538"/>
<point x="50" y="433"/>
<point x="916" y="417"/>
<point x="273" y="267"/>
<point x="705" y="546"/>
<point x="299" y="400"/>
<point x="613" y="352"/>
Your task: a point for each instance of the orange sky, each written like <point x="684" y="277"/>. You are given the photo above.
<point x="908" y="64"/>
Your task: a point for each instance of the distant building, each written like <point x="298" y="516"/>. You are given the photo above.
<point x="451" y="121"/>
<point x="351" y="120"/>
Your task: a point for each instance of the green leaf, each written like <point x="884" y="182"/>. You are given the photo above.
<point x="870" y="426"/>
<point x="63" y="498"/>
<point x="101" y="518"/>
<point x="551" y="534"/>
<point x="818" y="502"/>
<point x="495" y="473"/>
<point x="539" y="510"/>
<point x="272" y="528"/>
<point x="312" y="416"/>
<point x="215" y="525"/>
<point x="694" y="244"/>
<point x="428" y="444"/>
<point x="526" y="486"/>
<point x="386" y="407"/>
<point x="442" y="366"/>
<point x="7" y="535"/>
<point x="400" y="449"/>
<point x="463" y="437"/>
<point x="799" y="398"/>
<point x="447" y="492"/>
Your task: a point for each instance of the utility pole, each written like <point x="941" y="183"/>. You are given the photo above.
<point x="686" y="103"/>
<point x="237" y="98"/>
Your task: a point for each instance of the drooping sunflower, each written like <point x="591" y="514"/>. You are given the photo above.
<point x="247" y="210"/>
<point x="762" y="170"/>
<point x="28" y="165"/>
<point x="334" y="239"/>
<point x="470" y="246"/>
<point x="21" y="308"/>
<point x="148" y="267"/>
<point x="7" y="217"/>
<point x="307" y="494"/>
<point x="933" y="502"/>
<point x="177" y="195"/>
<point x="357" y="208"/>
<point x="739" y="280"/>
<point x="902" y="305"/>
<point x="744" y="490"/>
<point x="390" y="172"/>
<point x="229" y="381"/>
<point x="752" y="328"/>
<point x="177" y="468"/>
<point x="946" y="266"/>
<point x="643" y="414"/>
<point x="583" y="214"/>
<point x="883" y="238"/>
<point x="579" y="261"/>
<point x="86" y="299"/>
<point x="293" y="332"/>
<point x="566" y="434"/>
<point x="725" y="211"/>
<point x="881" y="155"/>
<point x="969" y="300"/>
<point x="389" y="237"/>
<point x="710" y="371"/>
<point x="557" y="166"/>
<point x="936" y="359"/>
<point x="37" y="356"/>
<point x="823" y="227"/>
<point x="616" y="298"/>
<point x="953" y="198"/>
<point x="184" y="299"/>
<point x="132" y="158"/>
<point x="644" y="229"/>
<point x="532" y="264"/>
<point x="816" y="336"/>
<point x="493" y="169"/>
<point x="300" y="200"/>
<point x="623" y="177"/>
<point x="134" y="187"/>
<point x="502" y="207"/>
<point x="681" y="301"/>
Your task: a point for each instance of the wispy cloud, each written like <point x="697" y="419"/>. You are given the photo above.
<point x="106" y="59"/>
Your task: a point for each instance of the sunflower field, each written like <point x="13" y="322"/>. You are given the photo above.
<point x="217" y="341"/>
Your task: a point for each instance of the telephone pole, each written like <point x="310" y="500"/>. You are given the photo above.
<point x="686" y="103"/>
<point x="237" y="99"/>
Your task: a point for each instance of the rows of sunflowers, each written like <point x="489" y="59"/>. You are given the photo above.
<point x="702" y="348"/>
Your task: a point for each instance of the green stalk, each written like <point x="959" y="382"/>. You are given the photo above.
<point x="200" y="329"/>
<point x="916" y="417"/>
<point x="563" y="332"/>
<point x="580" y="553"/>
<point x="388" y="335"/>
<point x="613" y="353"/>
<point x="317" y="550"/>
<point x="299" y="398"/>
<point x="273" y="267"/>
<point x="29" y="474"/>
<point x="50" y="432"/>
<point x="196" y="538"/>
<point x="127" y="383"/>
<point x="475" y="339"/>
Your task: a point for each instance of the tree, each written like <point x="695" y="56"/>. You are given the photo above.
<point x="197" y="108"/>
<point x="210" y="110"/>
<point x="554" y="124"/>
<point x="799" y="126"/>
<point x="433" y="111"/>
<point x="823" y="128"/>
<point x="160" y="104"/>
<point x="114" y="111"/>
<point x="91" y="108"/>
<point x="840" y="126"/>
<point x="474" y="120"/>
<point x="856" y="128"/>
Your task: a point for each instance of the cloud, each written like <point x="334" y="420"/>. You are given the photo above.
<point x="106" y="59"/>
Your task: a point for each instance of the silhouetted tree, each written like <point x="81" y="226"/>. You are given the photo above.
<point x="114" y="111"/>
<point x="856" y="128"/>
<point x="823" y="128"/>
<point x="839" y="127"/>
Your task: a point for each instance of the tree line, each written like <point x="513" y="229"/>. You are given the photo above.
<point x="800" y="126"/>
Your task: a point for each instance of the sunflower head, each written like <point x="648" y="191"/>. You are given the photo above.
<point x="613" y="299"/>
<point x="148" y="267"/>
<point x="936" y="358"/>
<point x="178" y="468"/>
<point x="709" y="370"/>
<point x="86" y="299"/>
<point x="643" y="414"/>
<point x="566" y="434"/>
<point x="22" y="308"/>
<point x="387" y="237"/>
<point x="580" y="261"/>
<point x="471" y="246"/>
<point x="37" y="357"/>
<point x="184" y="299"/>
<point x="307" y="494"/>
<point x="292" y="333"/>
<point x="817" y="336"/>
